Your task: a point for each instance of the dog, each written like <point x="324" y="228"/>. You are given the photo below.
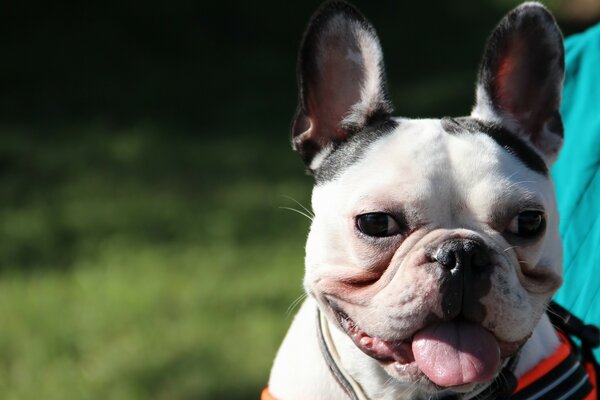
<point x="434" y="249"/>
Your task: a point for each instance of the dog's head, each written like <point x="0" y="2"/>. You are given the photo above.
<point x="435" y="242"/>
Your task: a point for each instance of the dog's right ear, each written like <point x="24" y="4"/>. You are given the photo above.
<point x="341" y="82"/>
<point x="521" y="76"/>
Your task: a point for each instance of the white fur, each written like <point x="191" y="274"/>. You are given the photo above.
<point x="484" y="109"/>
<point x="320" y="157"/>
<point x="370" y="97"/>
<point x="543" y="343"/>
<point x="299" y="371"/>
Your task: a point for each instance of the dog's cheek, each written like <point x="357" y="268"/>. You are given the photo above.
<point x="332" y="261"/>
<point x="542" y="275"/>
<point x="542" y="280"/>
<point x="512" y="311"/>
<point x="322" y="254"/>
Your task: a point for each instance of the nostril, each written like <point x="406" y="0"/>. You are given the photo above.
<point x="445" y="257"/>
<point x="460" y="253"/>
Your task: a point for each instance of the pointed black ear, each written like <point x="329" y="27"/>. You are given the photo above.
<point x="521" y="75"/>
<point x="340" y="80"/>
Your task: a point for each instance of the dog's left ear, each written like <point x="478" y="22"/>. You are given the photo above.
<point x="521" y="75"/>
<point x="340" y="81"/>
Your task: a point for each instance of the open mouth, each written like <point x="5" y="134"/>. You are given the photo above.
<point x="450" y="353"/>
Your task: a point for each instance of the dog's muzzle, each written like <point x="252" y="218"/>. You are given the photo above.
<point x="466" y="268"/>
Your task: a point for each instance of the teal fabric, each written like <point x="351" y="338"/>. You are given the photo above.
<point x="577" y="177"/>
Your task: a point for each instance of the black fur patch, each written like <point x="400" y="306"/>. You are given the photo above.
<point x="347" y="153"/>
<point x="506" y="139"/>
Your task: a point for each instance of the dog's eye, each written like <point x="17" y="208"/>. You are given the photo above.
<point x="377" y="224"/>
<point x="527" y="224"/>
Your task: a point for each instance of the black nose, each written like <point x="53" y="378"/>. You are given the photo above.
<point x="461" y="254"/>
<point x="466" y="280"/>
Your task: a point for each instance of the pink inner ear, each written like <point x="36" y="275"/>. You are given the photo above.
<point x="337" y="88"/>
<point x="511" y="90"/>
<point x="506" y="66"/>
<point x="517" y="90"/>
<point x="324" y="127"/>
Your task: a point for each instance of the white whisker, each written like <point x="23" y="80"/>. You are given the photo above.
<point x="297" y="211"/>
<point x="308" y="211"/>
<point x="295" y="303"/>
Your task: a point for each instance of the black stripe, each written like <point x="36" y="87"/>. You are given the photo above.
<point x="505" y="139"/>
<point x="568" y="384"/>
<point x="583" y="391"/>
<point x="549" y="378"/>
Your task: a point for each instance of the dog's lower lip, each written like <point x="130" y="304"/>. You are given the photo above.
<point x="398" y="351"/>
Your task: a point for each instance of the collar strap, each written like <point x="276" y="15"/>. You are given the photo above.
<point x="571" y="325"/>
<point x="332" y="358"/>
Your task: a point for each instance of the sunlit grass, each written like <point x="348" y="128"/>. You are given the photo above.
<point x="145" y="264"/>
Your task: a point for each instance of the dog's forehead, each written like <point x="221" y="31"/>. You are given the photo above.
<point x="435" y="161"/>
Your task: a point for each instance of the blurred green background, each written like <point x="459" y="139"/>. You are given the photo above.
<point x="144" y="164"/>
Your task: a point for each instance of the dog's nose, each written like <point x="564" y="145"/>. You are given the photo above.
<point x="467" y="267"/>
<point x="461" y="254"/>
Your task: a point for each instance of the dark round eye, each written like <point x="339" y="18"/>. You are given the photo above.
<point x="527" y="224"/>
<point x="377" y="224"/>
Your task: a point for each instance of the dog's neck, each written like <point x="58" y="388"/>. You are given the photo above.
<point x="377" y="384"/>
<point x="543" y="342"/>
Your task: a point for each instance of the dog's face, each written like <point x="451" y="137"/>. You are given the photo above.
<point x="434" y="244"/>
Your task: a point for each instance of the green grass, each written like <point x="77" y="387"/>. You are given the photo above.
<point x="145" y="263"/>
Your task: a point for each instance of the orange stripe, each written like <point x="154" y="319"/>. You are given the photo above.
<point x="591" y="371"/>
<point x="546" y="365"/>
<point x="266" y="395"/>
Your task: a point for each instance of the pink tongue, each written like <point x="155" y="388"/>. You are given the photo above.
<point x="456" y="353"/>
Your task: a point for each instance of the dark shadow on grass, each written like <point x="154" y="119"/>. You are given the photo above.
<point x="63" y="195"/>
<point x="212" y="64"/>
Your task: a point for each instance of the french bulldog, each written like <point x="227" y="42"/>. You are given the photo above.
<point x="434" y="248"/>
